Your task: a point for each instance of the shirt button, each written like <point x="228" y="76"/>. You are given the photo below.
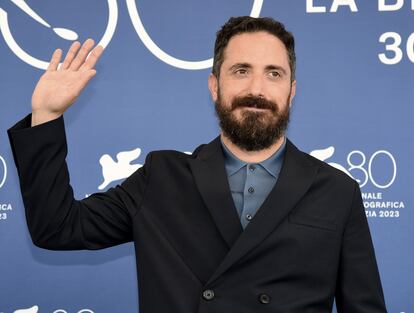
<point x="249" y="217"/>
<point x="250" y="190"/>
<point x="252" y="168"/>
<point x="264" y="298"/>
<point x="208" y="294"/>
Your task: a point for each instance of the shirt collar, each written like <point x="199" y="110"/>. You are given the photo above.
<point x="272" y="164"/>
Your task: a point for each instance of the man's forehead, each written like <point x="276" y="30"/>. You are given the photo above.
<point x="256" y="48"/>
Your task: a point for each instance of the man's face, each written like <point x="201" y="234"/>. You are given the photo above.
<point x="254" y="92"/>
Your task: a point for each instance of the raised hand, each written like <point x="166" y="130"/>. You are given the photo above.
<point x="58" y="88"/>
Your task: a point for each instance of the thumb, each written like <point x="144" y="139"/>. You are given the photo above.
<point x="91" y="73"/>
<point x="85" y="78"/>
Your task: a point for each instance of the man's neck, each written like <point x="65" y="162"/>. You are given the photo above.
<point x="252" y="156"/>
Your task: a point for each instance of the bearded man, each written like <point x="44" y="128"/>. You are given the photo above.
<point x="247" y="223"/>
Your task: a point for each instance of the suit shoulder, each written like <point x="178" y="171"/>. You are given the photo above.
<point x="175" y="155"/>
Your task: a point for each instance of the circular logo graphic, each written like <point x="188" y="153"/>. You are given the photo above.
<point x="161" y="54"/>
<point x="3" y="171"/>
<point x="61" y="32"/>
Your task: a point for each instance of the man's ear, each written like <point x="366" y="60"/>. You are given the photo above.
<point x="213" y="86"/>
<point x="292" y="93"/>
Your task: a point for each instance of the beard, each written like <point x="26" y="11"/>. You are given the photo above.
<point x="254" y="130"/>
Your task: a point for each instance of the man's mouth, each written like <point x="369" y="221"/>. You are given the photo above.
<point x="253" y="104"/>
<point x="253" y="108"/>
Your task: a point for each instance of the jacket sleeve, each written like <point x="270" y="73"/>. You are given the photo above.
<point x="359" y="287"/>
<point x="57" y="221"/>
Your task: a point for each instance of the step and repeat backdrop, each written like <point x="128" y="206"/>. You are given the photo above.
<point x="353" y="110"/>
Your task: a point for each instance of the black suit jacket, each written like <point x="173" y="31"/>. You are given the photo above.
<point x="308" y="243"/>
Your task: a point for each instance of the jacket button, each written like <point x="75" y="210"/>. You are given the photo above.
<point x="208" y="294"/>
<point x="264" y="298"/>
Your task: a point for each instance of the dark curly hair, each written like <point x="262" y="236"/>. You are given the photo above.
<point x="247" y="24"/>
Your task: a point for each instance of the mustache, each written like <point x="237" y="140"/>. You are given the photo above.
<point x="253" y="102"/>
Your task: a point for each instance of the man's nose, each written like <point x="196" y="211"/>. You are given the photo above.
<point x="256" y="86"/>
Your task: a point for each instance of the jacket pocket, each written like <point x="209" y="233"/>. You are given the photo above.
<point x="312" y="221"/>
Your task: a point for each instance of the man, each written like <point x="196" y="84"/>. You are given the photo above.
<point x="247" y="223"/>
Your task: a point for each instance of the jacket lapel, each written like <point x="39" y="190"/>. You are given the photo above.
<point x="295" y="178"/>
<point x="211" y="179"/>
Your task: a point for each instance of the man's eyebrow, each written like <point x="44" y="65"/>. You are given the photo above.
<point x="238" y="65"/>
<point x="267" y="68"/>
<point x="276" y="67"/>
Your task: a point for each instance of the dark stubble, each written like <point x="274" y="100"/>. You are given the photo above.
<point x="255" y="130"/>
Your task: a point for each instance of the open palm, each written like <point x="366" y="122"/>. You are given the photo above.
<point x="59" y="87"/>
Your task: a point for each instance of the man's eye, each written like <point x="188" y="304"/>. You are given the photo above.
<point x="241" y="71"/>
<point x="274" y="73"/>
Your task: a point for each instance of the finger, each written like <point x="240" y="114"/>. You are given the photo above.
<point x="70" y="55"/>
<point x="92" y="59"/>
<point x="84" y="79"/>
<point x="82" y="54"/>
<point x="54" y="61"/>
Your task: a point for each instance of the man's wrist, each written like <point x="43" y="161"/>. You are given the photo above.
<point x="40" y="117"/>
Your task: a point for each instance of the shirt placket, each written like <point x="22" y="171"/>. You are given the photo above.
<point x="249" y="194"/>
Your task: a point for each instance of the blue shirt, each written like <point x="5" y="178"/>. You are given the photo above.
<point x="250" y="183"/>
